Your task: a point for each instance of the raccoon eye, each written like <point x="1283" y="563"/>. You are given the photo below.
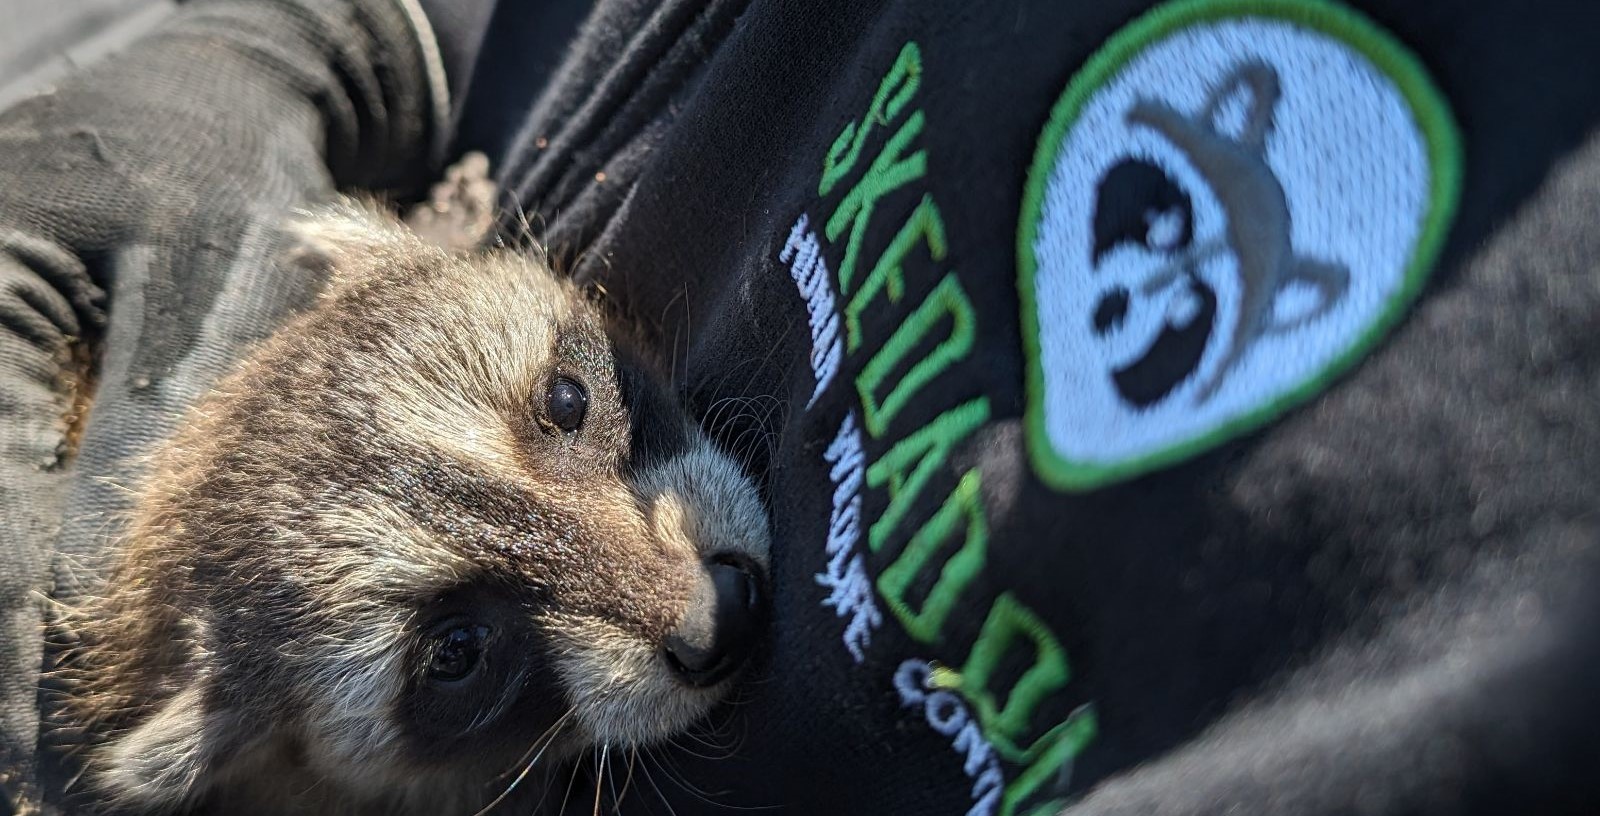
<point x="566" y="404"/>
<point x="456" y="652"/>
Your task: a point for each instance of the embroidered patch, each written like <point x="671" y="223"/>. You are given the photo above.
<point x="1232" y="202"/>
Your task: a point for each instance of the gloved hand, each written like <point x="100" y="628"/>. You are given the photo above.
<point x="138" y="219"/>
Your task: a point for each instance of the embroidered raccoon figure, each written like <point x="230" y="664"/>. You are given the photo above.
<point x="441" y="530"/>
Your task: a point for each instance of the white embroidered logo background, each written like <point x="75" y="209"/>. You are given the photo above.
<point x="1174" y="293"/>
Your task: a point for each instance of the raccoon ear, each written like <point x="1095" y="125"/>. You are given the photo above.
<point x="347" y="239"/>
<point x="169" y="759"/>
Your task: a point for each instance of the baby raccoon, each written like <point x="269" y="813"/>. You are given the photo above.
<point x="439" y="527"/>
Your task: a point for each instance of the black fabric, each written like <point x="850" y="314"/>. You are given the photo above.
<point x="597" y="121"/>
<point x="509" y="59"/>
<point x="1322" y="617"/>
<point x="1377" y="604"/>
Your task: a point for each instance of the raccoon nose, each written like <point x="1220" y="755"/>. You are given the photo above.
<point x="722" y="624"/>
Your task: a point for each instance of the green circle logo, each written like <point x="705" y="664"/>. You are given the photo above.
<point x="1232" y="202"/>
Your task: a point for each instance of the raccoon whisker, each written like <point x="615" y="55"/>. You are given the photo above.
<point x="761" y="436"/>
<point x="738" y="743"/>
<point x="773" y="406"/>
<point x="549" y="738"/>
<point x="719" y="752"/>
<point x="746" y="415"/>
<point x="579" y="258"/>
<point x="114" y="484"/>
<point x="758" y="363"/>
<point x="688" y="332"/>
<point x="672" y="368"/>
<point x="576" y="766"/>
<point x="502" y="702"/>
<point x="649" y="777"/>
<point x="627" y="781"/>
<point x="314" y="785"/>
<point x="715" y="740"/>
<point x="616" y="800"/>
<point x="726" y="421"/>
<point x="600" y="758"/>
<point x="730" y="742"/>
<point x="663" y="763"/>
<point x="83" y="769"/>
<point x="687" y="750"/>
<point x="707" y="734"/>
<point x="746" y="689"/>
<point x="676" y="776"/>
<point x="744" y="411"/>
<point x="533" y="746"/>
<point x="544" y="791"/>
<point x="524" y="236"/>
<point x="773" y="349"/>
<point x="714" y="412"/>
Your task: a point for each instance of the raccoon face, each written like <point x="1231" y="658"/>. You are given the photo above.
<point x="442" y="523"/>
